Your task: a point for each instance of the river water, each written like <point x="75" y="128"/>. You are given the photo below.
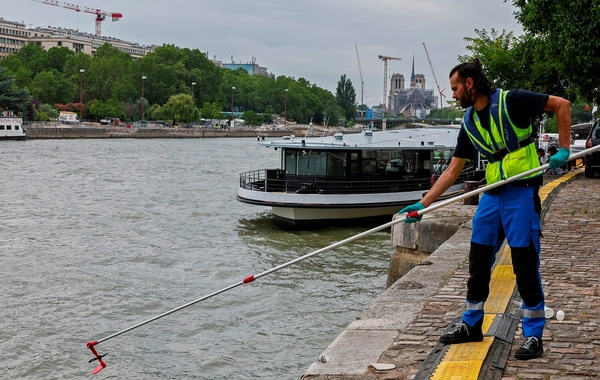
<point x="99" y="235"/>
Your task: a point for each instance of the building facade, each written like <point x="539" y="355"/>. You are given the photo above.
<point x="251" y="67"/>
<point x="415" y="101"/>
<point x="14" y="35"/>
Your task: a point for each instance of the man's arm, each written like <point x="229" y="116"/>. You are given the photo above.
<point x="446" y="180"/>
<point x="562" y="109"/>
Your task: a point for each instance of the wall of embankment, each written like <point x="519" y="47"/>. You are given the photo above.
<point x="105" y="133"/>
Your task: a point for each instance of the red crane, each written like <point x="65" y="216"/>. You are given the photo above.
<point x="100" y="14"/>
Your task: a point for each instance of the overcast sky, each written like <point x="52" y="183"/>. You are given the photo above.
<point x="296" y="38"/>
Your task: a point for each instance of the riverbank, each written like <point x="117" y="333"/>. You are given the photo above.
<point x="61" y="131"/>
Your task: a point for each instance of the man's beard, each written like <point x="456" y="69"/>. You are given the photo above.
<point x="465" y="101"/>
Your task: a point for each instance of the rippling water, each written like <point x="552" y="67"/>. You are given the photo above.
<point x="99" y="235"/>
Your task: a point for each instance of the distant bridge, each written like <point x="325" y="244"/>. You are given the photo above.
<point x="395" y="123"/>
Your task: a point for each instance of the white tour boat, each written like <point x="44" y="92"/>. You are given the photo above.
<point x="347" y="178"/>
<point x="11" y="127"/>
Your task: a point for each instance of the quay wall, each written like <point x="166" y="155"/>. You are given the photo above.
<point x="104" y="133"/>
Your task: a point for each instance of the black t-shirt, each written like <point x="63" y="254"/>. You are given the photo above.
<point x="522" y="106"/>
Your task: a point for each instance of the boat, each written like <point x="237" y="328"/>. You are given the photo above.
<point x="11" y="127"/>
<point x="350" y="178"/>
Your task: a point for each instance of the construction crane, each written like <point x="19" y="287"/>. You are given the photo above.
<point x="100" y="14"/>
<point x="434" y="77"/>
<point x="385" y="58"/>
<point x="362" y="83"/>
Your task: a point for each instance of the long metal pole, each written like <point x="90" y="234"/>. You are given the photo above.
<point x="249" y="279"/>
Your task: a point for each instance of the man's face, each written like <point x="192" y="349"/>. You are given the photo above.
<point x="459" y="91"/>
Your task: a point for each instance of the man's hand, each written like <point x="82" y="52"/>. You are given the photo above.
<point x="416" y="207"/>
<point x="559" y="159"/>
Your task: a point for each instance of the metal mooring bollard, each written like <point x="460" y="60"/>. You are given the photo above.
<point x="469" y="186"/>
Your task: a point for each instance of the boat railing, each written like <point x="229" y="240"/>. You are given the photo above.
<point x="275" y="180"/>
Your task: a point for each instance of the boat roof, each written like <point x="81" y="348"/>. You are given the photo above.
<point x="433" y="137"/>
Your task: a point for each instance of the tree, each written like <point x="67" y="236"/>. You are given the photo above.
<point x="251" y="118"/>
<point x="516" y="62"/>
<point x="333" y="112"/>
<point x="16" y="100"/>
<point x="569" y="34"/>
<point x="52" y="87"/>
<point x="346" y="97"/>
<point x="46" y="112"/>
<point x="180" y="108"/>
<point x="211" y="110"/>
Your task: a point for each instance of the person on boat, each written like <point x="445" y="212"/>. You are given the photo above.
<point x="498" y="124"/>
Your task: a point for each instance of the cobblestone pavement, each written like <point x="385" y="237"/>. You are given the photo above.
<point x="570" y="269"/>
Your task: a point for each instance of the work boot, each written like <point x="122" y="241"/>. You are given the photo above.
<point x="462" y="333"/>
<point x="530" y="349"/>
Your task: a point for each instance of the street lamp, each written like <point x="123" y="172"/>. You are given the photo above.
<point x="143" y="78"/>
<point x="285" y="109"/>
<point x="193" y="84"/>
<point x="81" y="71"/>
<point x="232" y="88"/>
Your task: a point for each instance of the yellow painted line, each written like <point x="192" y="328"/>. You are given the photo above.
<point x="464" y="361"/>
<point x="488" y="319"/>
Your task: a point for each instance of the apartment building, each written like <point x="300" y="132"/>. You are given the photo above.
<point x="15" y="35"/>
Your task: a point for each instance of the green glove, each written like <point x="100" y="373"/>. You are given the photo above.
<point x="408" y="209"/>
<point x="559" y="159"/>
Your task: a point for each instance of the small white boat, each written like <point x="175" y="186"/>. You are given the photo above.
<point x="11" y="127"/>
<point x="344" y="179"/>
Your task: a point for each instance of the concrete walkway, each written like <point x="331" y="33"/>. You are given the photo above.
<point x="396" y="338"/>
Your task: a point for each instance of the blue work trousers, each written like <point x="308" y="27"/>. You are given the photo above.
<point x="512" y="213"/>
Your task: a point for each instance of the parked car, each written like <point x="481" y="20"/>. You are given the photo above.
<point x="592" y="161"/>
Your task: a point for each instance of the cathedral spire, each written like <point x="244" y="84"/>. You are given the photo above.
<point x="412" y="75"/>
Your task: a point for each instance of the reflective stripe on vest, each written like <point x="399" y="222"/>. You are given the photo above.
<point x="502" y="133"/>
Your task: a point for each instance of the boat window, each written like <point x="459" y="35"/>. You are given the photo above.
<point x="16" y="127"/>
<point x="8" y="127"/>
<point x="312" y="162"/>
<point x="369" y="154"/>
<point x="441" y="160"/>
<point x="1" y="127"/>
<point x="290" y="162"/>
<point x="369" y="166"/>
<point x="336" y="162"/>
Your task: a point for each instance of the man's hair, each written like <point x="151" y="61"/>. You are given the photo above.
<point x="474" y="70"/>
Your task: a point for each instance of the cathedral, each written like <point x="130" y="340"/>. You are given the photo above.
<point x="415" y="101"/>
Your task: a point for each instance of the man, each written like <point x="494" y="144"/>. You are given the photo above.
<point x="498" y="124"/>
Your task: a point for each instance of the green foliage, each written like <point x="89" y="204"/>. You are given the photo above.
<point x="558" y="54"/>
<point x="251" y="118"/>
<point x="333" y="112"/>
<point x="346" y="97"/>
<point x="447" y="113"/>
<point x="11" y="98"/>
<point x="52" y="87"/>
<point x="211" y="110"/>
<point x="180" y="109"/>
<point x="569" y="33"/>
<point x="113" y="77"/>
<point x="46" y="112"/>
